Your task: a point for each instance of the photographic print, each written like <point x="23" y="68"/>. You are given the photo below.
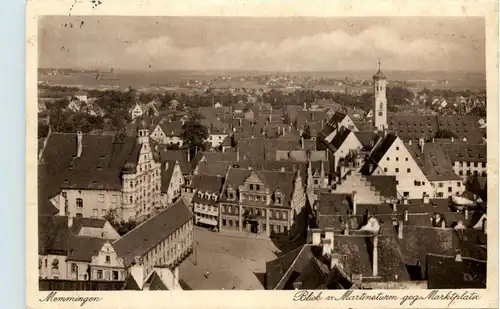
<point x="299" y="153"/>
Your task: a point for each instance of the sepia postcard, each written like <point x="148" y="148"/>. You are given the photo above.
<point x="248" y="154"/>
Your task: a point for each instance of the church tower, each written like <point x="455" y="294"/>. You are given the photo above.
<point x="380" y="100"/>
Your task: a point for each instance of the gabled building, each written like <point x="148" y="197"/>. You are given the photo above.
<point x="205" y="200"/>
<point x="168" y="133"/>
<point x="263" y="202"/>
<point x="172" y="181"/>
<point x="77" y="249"/>
<point x="164" y="240"/>
<point x="390" y="157"/>
<point x="88" y="175"/>
<point x="148" y="109"/>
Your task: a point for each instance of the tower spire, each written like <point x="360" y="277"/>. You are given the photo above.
<point x="379" y="64"/>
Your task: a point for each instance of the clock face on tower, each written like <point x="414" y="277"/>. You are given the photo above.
<point x="380" y="113"/>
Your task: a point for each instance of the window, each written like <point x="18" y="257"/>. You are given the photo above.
<point x="459" y="184"/>
<point x="285" y="229"/>
<point x="460" y="173"/>
<point x="397" y="148"/>
<point x="251" y="186"/>
<point x="468" y="164"/>
<point x="449" y="189"/>
<point x="440" y="185"/>
<point x="65" y="195"/>
<point x="483" y="174"/>
<point x="285" y="215"/>
<point x="106" y="275"/>
<point x="388" y="159"/>
<point x="115" y="275"/>
<point x="475" y="164"/>
<point x="230" y="223"/>
<point x="406" y="194"/>
<point x="257" y="187"/>
<point x="237" y="223"/>
<point x="74" y="268"/>
<point x="95" y="212"/>
<point x="79" y="215"/>
<point x="406" y="159"/>
<point x="79" y="202"/>
<point x="408" y="170"/>
<point x="385" y="169"/>
<point x="397" y="182"/>
<point x="440" y="194"/>
<point x="55" y="264"/>
<point x="397" y="159"/>
<point x="397" y="170"/>
<point x="484" y="164"/>
<point x="223" y="222"/>
<point x="108" y="259"/>
<point x="278" y="200"/>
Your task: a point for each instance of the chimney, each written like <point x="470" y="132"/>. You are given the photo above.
<point x="394" y="206"/>
<point x="302" y="141"/>
<point x="409" y="142"/>
<point x="375" y="256"/>
<point x="354" y="204"/>
<point x="421" y="143"/>
<point x="189" y="155"/>
<point x="237" y="154"/>
<point x="400" y="229"/>
<point x="443" y="223"/>
<point x="466" y="213"/>
<point x="406" y="215"/>
<point x="166" y="165"/>
<point x="70" y="221"/>
<point x="282" y="169"/>
<point x="405" y="200"/>
<point x="239" y="121"/>
<point x="79" y="144"/>
<point x="452" y="139"/>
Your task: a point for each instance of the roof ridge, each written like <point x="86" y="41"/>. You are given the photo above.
<point x="291" y="265"/>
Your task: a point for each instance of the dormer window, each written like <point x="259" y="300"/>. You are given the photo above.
<point x="278" y="198"/>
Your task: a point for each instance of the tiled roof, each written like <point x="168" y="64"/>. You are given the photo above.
<point x="171" y="128"/>
<point x="288" y="166"/>
<point x="53" y="235"/>
<point x="79" y="223"/>
<point x="304" y="117"/>
<point x="444" y="272"/>
<point x="83" y="248"/>
<point x="99" y="167"/>
<point x="367" y="138"/>
<point x="299" y="265"/>
<point x="418" y="241"/>
<point x="336" y="118"/>
<point x="379" y="151"/>
<point x="265" y="149"/>
<point x="385" y="185"/>
<point x="180" y="156"/>
<point x="144" y="237"/>
<point x="217" y="168"/>
<point x="434" y="161"/>
<point x="208" y="183"/>
<point x="167" y="171"/>
<point x="274" y="180"/>
<point x="466" y="152"/>
<point x="413" y="127"/>
<point x="339" y="138"/>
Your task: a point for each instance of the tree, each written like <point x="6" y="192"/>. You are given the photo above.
<point x="194" y="134"/>
<point x="121" y="226"/>
<point x="307" y="132"/>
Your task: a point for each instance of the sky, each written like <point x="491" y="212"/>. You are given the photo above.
<point x="264" y="44"/>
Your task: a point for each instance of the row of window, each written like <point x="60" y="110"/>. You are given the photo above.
<point x="469" y="164"/>
<point x="475" y="173"/>
<point x="277" y="228"/>
<point x="408" y="170"/>
<point x="143" y="179"/>
<point x="201" y="215"/>
<point x="108" y="275"/>
<point x="273" y="213"/>
<point x="205" y="207"/>
<point x="397" y="158"/>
